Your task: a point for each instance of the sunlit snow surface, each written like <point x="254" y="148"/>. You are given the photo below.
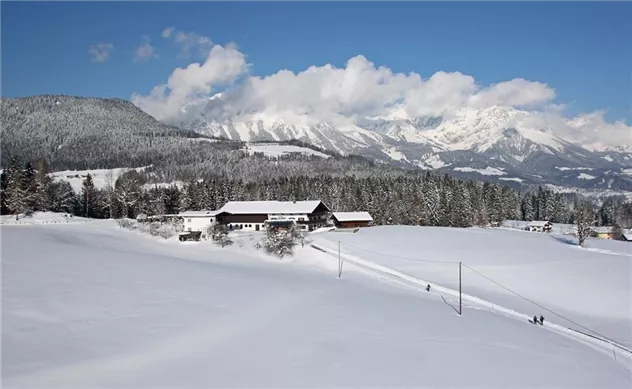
<point x="92" y="305"/>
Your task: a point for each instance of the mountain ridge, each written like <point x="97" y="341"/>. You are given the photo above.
<point x="494" y="137"/>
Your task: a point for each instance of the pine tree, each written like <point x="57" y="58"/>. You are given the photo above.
<point x="16" y="195"/>
<point x="89" y="201"/>
<point x="40" y="194"/>
<point x="62" y="197"/>
<point x="3" y="193"/>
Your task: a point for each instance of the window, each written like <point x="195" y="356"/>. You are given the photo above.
<point x="300" y="219"/>
<point x="189" y="229"/>
<point x="189" y="220"/>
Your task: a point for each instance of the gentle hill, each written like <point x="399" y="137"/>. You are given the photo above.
<point x="95" y="306"/>
<point x="591" y="286"/>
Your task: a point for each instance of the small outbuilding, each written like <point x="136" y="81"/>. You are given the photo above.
<point x="540" y="226"/>
<point x="351" y="219"/>
<point x="606" y="232"/>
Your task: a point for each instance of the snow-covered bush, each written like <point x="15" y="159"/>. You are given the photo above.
<point x="127" y="224"/>
<point x="280" y="242"/>
<point x="219" y="234"/>
<point x="163" y="230"/>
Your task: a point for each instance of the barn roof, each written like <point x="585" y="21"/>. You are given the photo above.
<point x="539" y="223"/>
<point x="270" y="207"/>
<point x="353" y="216"/>
<point x="199" y="213"/>
<point x="602" y="230"/>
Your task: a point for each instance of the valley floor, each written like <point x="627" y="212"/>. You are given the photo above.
<point x="92" y="305"/>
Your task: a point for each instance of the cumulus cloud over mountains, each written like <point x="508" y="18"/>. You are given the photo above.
<point x="361" y="89"/>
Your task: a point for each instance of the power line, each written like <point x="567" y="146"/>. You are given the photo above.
<point x="405" y="258"/>
<point x="544" y="308"/>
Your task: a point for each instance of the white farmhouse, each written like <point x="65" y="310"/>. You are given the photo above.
<point x="198" y="220"/>
<point x="253" y="215"/>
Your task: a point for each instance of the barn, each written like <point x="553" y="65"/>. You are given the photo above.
<point x="540" y="226"/>
<point x="252" y="215"/>
<point x="351" y="219"/>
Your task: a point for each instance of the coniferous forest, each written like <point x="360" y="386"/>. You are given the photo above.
<point x="53" y="133"/>
<point x="409" y="199"/>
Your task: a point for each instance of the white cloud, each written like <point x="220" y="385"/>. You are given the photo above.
<point x="100" y="52"/>
<point x="188" y="41"/>
<point x="222" y="66"/>
<point x="593" y="131"/>
<point x="360" y="88"/>
<point x="166" y="33"/>
<point x="145" y="50"/>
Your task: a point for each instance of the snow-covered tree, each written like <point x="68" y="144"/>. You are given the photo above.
<point x="219" y="234"/>
<point x="584" y="218"/>
<point x="89" y="201"/>
<point x="16" y="194"/>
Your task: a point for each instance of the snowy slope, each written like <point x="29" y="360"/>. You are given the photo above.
<point x="276" y="150"/>
<point x="590" y="286"/>
<point x="96" y="306"/>
<point x="76" y="177"/>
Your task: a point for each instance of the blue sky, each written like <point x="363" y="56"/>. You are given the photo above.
<point x="582" y="50"/>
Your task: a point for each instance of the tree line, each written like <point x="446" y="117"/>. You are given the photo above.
<point x="426" y="199"/>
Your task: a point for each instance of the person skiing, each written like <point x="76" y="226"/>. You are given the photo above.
<point x="541" y="320"/>
<point x="428" y="288"/>
<point x="535" y="319"/>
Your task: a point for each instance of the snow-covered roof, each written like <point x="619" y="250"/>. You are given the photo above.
<point x="602" y="230"/>
<point x="199" y="213"/>
<point x="539" y="223"/>
<point x="352" y="216"/>
<point x="270" y="207"/>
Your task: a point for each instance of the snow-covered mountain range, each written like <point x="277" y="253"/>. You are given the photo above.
<point x="497" y="143"/>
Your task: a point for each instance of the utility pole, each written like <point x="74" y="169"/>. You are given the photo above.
<point x="339" y="262"/>
<point x="460" y="301"/>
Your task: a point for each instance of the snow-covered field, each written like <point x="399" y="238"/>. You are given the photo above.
<point x="277" y="150"/>
<point x="591" y="286"/>
<point x="488" y="171"/>
<point x="76" y="177"/>
<point x="93" y="305"/>
<point x="43" y="218"/>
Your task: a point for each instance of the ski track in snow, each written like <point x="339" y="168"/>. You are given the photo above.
<point x="385" y="273"/>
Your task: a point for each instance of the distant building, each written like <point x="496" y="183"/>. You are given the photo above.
<point x="351" y="219"/>
<point x="252" y="215"/>
<point x="199" y="220"/>
<point x="605" y="232"/>
<point x="540" y="226"/>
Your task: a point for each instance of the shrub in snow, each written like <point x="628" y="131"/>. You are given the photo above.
<point x="162" y="230"/>
<point x="280" y="242"/>
<point x="127" y="224"/>
<point x="219" y="234"/>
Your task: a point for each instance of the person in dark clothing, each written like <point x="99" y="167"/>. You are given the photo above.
<point x="541" y="320"/>
<point x="535" y="320"/>
<point x="428" y="288"/>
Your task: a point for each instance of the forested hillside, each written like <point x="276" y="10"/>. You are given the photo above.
<point x="48" y="133"/>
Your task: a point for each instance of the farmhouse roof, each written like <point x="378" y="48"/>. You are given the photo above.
<point x="199" y="213"/>
<point x="602" y="230"/>
<point x="270" y="207"/>
<point x="539" y="223"/>
<point x="353" y="216"/>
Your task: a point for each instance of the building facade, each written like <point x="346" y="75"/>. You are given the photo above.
<point x="199" y="220"/>
<point x="351" y="219"/>
<point x="252" y="215"/>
